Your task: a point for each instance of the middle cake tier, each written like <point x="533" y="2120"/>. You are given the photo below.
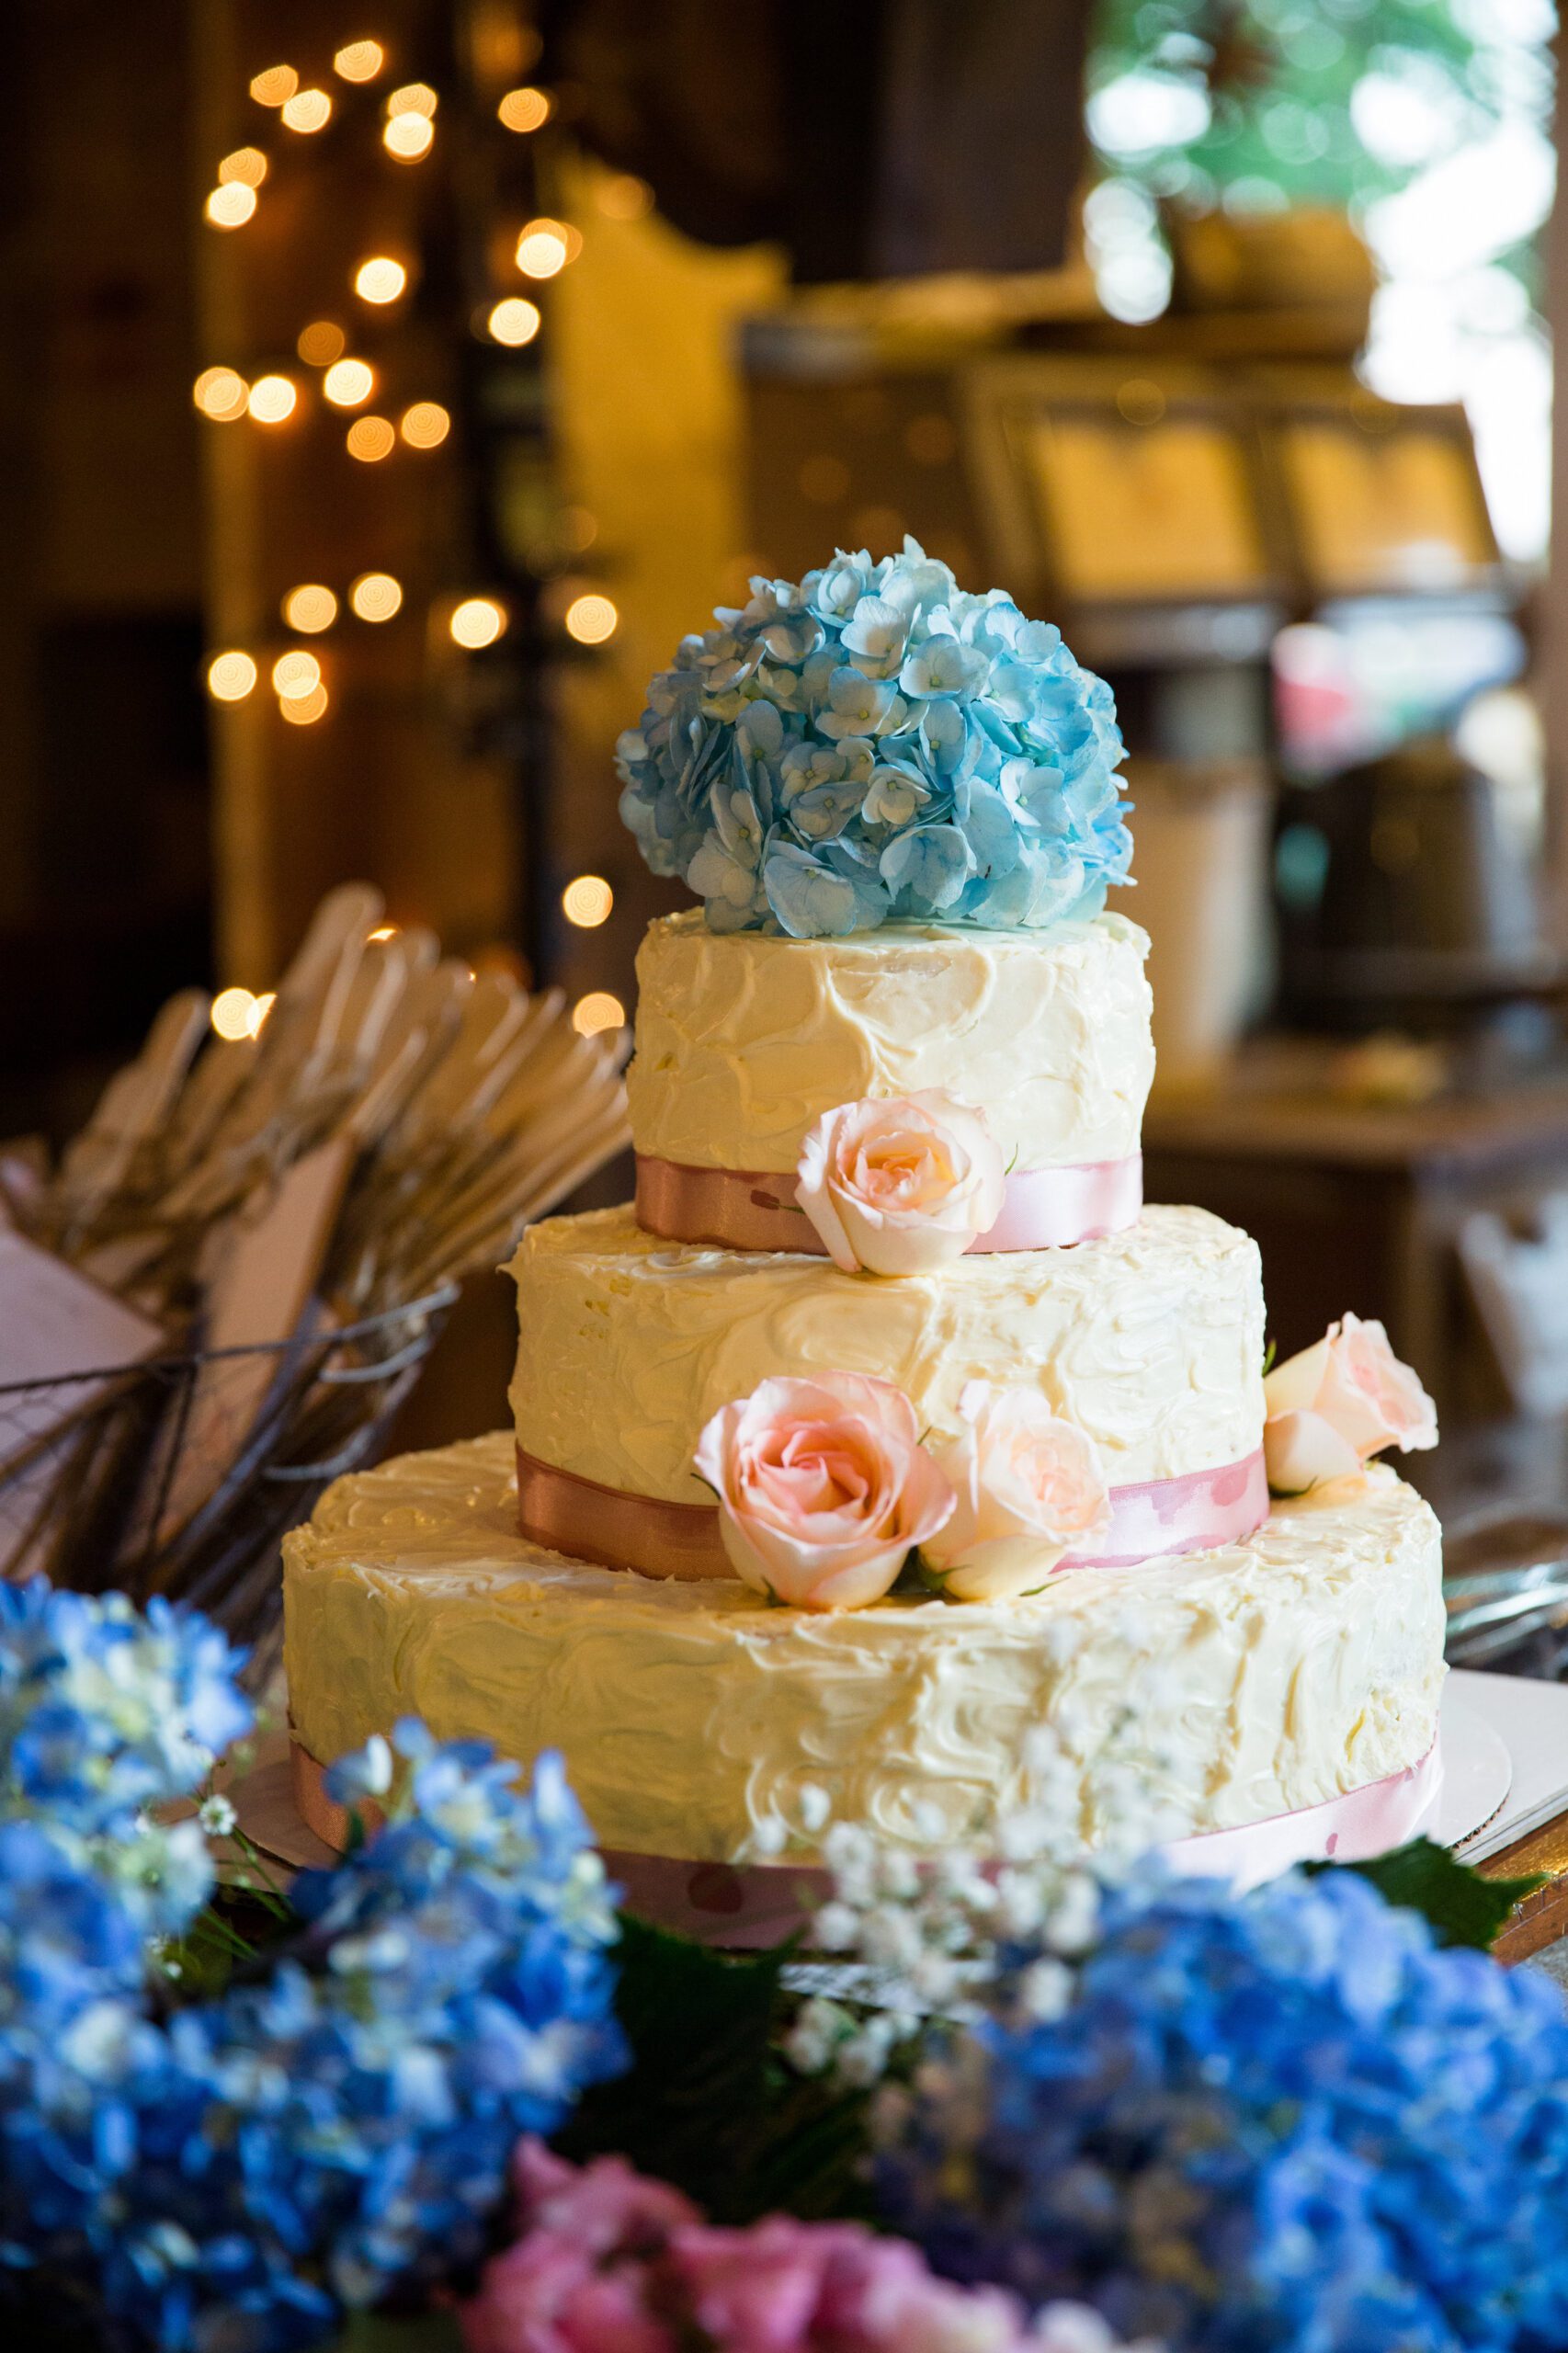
<point x="1151" y="1341"/>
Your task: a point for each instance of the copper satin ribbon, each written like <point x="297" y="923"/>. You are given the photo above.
<point x="618" y="1530"/>
<point x="758" y="1904"/>
<point x="749" y="1208"/>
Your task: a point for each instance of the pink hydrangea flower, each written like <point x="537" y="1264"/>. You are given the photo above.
<point x="608" y="2262"/>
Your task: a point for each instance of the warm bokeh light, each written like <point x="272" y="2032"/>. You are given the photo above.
<point x="590" y="620"/>
<point x="477" y="622"/>
<point x="359" y="61"/>
<point x="623" y="197"/>
<point x="303" y="710"/>
<point x="272" y="399"/>
<point x="295" y="674"/>
<point x="383" y="931"/>
<point x="276" y="86"/>
<point x="375" y="595"/>
<point x="237" y="1013"/>
<point x="587" y="901"/>
<point x="542" y="249"/>
<point x="221" y="394"/>
<point x="515" y="320"/>
<point x="379" y="279"/>
<point x="599" y="1010"/>
<point x="349" y="381"/>
<point x="425" y="426"/>
<point x="308" y="111"/>
<point x="369" y="438"/>
<point x="229" y="677"/>
<point x="408" y="136"/>
<point x="525" y="110"/>
<point x="246" y="164"/>
<point x="310" y="607"/>
<point x="232" y="206"/>
<point x="414" y="97"/>
<point x="321" y="342"/>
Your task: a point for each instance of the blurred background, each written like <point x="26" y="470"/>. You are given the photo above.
<point x="390" y="386"/>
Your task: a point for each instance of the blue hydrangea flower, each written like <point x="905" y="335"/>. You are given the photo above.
<point x="875" y="744"/>
<point x="1286" y="2123"/>
<point x="234" y="2172"/>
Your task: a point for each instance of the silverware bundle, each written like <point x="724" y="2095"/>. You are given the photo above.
<point x="1506" y="1589"/>
<point x="218" y="1299"/>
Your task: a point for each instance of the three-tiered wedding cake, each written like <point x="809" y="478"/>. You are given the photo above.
<point x="887" y="1425"/>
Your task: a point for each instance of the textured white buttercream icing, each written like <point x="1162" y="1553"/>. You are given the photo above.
<point x="1150" y="1340"/>
<point x="1243" y="1682"/>
<point x="743" y="1040"/>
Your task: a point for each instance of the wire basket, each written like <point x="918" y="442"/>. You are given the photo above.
<point x="181" y="1474"/>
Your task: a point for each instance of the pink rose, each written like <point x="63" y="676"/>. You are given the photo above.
<point x="900" y="1186"/>
<point x="824" y="1488"/>
<point x="1337" y="1404"/>
<point x="1029" y="1488"/>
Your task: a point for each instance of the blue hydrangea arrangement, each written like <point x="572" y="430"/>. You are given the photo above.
<point x="876" y="743"/>
<point x="1286" y="2123"/>
<point x="339" y="2120"/>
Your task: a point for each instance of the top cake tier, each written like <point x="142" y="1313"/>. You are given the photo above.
<point x="744" y="1039"/>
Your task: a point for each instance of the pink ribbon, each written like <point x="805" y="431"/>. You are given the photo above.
<point x="753" y="1906"/>
<point x="749" y="1208"/>
<point x="617" y="1529"/>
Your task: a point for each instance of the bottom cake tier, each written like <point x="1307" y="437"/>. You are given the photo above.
<point x="699" y="1722"/>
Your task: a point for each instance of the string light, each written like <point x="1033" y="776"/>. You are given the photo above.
<point x="238" y="1013"/>
<point x="246" y="164"/>
<point x="303" y="710"/>
<point x="221" y="394"/>
<point x="295" y="674"/>
<point x="375" y="595"/>
<point x="321" y="342"/>
<point x="408" y="136"/>
<point x="477" y="622"/>
<point x="311" y="607"/>
<point x="414" y="97"/>
<point x="425" y="426"/>
<point x="515" y="320"/>
<point x="591" y="620"/>
<point x="587" y="902"/>
<point x="542" y="249"/>
<point x="275" y="86"/>
<point x="623" y="197"/>
<point x="229" y="677"/>
<point x="272" y="399"/>
<point x="383" y="931"/>
<point x="379" y="279"/>
<point x="308" y="111"/>
<point x="599" y="1010"/>
<point x="349" y="381"/>
<point x="526" y="110"/>
<point x="359" y="61"/>
<point x="369" y="438"/>
<point x="232" y="206"/>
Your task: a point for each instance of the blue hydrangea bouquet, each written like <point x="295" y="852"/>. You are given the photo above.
<point x="876" y="743"/>
<point x="442" y="2091"/>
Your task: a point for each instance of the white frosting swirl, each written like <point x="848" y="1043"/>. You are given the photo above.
<point x="1150" y="1340"/>
<point x="1257" y="1678"/>
<point x="744" y="1040"/>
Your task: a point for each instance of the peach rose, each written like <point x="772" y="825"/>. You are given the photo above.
<point x="1337" y="1404"/>
<point x="902" y="1185"/>
<point x="1029" y="1488"/>
<point x="824" y="1488"/>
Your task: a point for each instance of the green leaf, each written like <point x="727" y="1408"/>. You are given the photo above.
<point x="1269" y="1353"/>
<point x="706" y="2103"/>
<point x="1460" y="1907"/>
